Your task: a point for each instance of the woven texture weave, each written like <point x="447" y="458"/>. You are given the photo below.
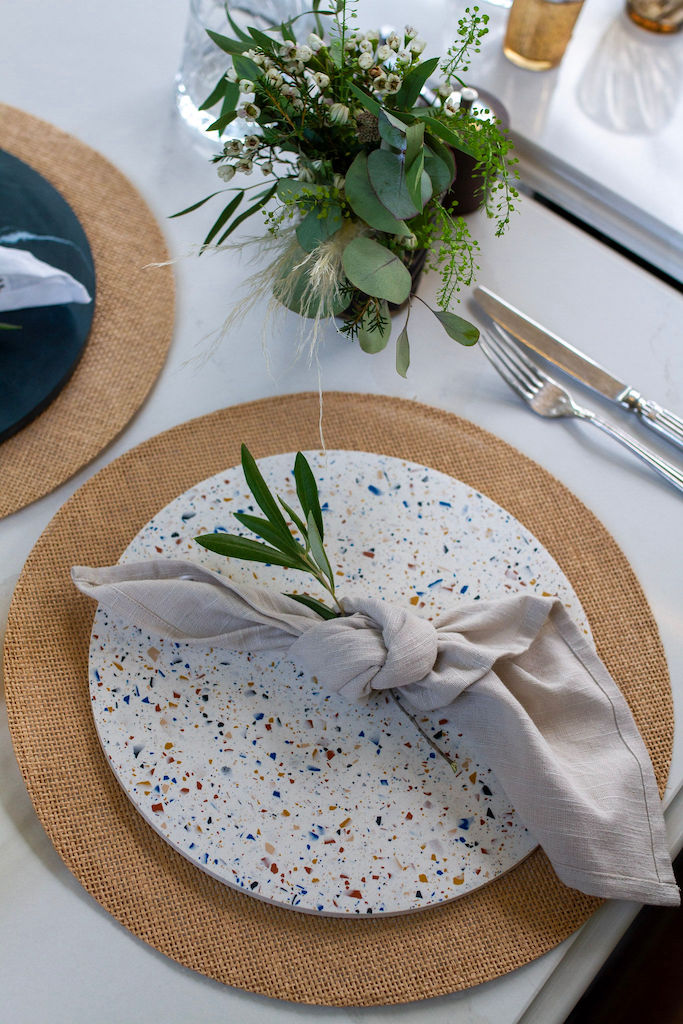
<point x="133" y="322"/>
<point x="164" y="899"/>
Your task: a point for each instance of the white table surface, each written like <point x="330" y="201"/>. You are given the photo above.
<point x="108" y="78"/>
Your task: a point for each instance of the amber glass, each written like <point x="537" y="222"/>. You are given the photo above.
<point x="656" y="15"/>
<point x="538" y="32"/>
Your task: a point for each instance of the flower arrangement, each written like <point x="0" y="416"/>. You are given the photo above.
<point x="358" y="154"/>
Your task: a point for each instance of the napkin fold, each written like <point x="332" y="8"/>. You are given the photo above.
<point x="527" y="689"/>
<point x="26" y="281"/>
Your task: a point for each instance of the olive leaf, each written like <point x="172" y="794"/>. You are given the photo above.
<point x="282" y="547"/>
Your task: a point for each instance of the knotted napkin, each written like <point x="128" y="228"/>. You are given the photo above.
<point x="530" y="694"/>
<point x="26" y="281"/>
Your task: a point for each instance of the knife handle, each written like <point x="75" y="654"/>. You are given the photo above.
<point x="654" y="416"/>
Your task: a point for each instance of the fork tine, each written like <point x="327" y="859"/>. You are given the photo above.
<point x="515" y="355"/>
<point x="502" y="368"/>
<point x="524" y="379"/>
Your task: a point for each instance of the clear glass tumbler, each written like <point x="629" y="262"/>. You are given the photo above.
<point x="538" y="32"/>
<point x="202" y="62"/>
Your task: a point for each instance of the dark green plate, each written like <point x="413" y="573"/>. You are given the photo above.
<point x="38" y="360"/>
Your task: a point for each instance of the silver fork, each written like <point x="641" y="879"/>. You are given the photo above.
<point x="547" y="398"/>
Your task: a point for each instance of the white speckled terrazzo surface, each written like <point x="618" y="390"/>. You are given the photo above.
<point x="261" y="778"/>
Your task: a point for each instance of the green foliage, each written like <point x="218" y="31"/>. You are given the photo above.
<point x="356" y="162"/>
<point x="282" y="547"/>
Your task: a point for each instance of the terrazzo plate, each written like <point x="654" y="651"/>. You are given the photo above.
<point x="248" y="768"/>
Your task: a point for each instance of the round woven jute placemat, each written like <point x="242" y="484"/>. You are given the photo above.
<point x="133" y="322"/>
<point x="164" y="899"/>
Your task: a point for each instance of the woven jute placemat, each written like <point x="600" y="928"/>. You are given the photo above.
<point x="164" y="899"/>
<point x="133" y="322"/>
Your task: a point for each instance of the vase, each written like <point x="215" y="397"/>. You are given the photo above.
<point x="468" y="188"/>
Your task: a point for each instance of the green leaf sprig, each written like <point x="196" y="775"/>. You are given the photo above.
<point x="282" y="547"/>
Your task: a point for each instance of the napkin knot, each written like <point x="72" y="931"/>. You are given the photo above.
<point x="375" y="647"/>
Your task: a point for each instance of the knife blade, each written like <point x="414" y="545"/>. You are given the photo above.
<point x="569" y="359"/>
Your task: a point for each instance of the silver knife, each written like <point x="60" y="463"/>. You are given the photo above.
<point x="579" y="366"/>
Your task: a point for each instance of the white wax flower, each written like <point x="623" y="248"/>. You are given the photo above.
<point x="365" y="46"/>
<point x="339" y="113"/>
<point x="287" y="49"/>
<point x="365" y="61"/>
<point x="231" y="75"/>
<point x="384" y="52"/>
<point x="379" y="82"/>
<point x="274" y="76"/>
<point x="226" y="172"/>
<point x="417" y="46"/>
<point x="249" y="112"/>
<point x="452" y="103"/>
<point x="373" y="35"/>
<point x="404" y="57"/>
<point x="410" y="32"/>
<point x="259" y="58"/>
<point x="267" y="168"/>
<point x="306" y="174"/>
<point x="339" y="181"/>
<point x="246" y="85"/>
<point x="409" y="241"/>
<point x="315" y="42"/>
<point x="252" y="142"/>
<point x="321" y="79"/>
<point x="303" y="53"/>
<point x="394" y="42"/>
<point x="393" y="83"/>
<point x="245" y="166"/>
<point x="233" y="147"/>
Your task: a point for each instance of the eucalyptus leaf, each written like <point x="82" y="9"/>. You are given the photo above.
<point x="258" y="487"/>
<point x="317" y="549"/>
<point x="438" y="171"/>
<point x="426" y="189"/>
<point x="307" y="491"/>
<point x="364" y="201"/>
<point x="392" y="130"/>
<point x="414" y="181"/>
<point x="375" y="270"/>
<point x="223" y="218"/>
<point x="280" y="539"/>
<point x="443" y="152"/>
<point x="458" y="329"/>
<point x="317" y="606"/>
<point x="411" y="85"/>
<point x="317" y="227"/>
<point x="386" y="171"/>
<point x="403" y="352"/>
<point x="415" y="134"/>
<point x="232" y="546"/>
<point x="375" y="341"/>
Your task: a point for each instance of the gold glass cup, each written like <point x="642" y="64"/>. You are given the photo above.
<point x="656" y="15"/>
<point x="538" y="32"/>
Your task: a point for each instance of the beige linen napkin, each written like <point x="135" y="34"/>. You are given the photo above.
<point x="530" y="694"/>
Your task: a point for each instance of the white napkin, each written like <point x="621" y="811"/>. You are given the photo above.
<point x="26" y="281"/>
<point x="530" y="694"/>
